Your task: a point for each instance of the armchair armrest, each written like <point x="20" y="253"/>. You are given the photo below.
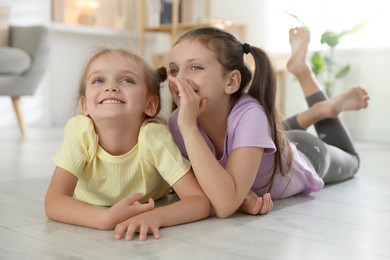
<point x="14" y="61"/>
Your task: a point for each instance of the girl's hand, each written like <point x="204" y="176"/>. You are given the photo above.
<point x="144" y="224"/>
<point x="127" y="208"/>
<point x="255" y="205"/>
<point x="189" y="102"/>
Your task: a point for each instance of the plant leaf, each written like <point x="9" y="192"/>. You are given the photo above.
<point x="328" y="88"/>
<point x="328" y="61"/>
<point x="355" y="29"/>
<point x="330" y="38"/>
<point x="317" y="63"/>
<point x="297" y="19"/>
<point x="343" y="72"/>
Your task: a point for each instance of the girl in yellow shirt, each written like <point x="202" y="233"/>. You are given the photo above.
<point x="117" y="157"/>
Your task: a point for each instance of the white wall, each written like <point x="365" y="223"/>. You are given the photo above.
<point x="370" y="68"/>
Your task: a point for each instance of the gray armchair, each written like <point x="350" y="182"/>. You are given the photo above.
<point x="23" y="64"/>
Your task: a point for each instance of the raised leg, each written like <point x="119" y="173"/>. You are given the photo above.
<point x="354" y="98"/>
<point x="298" y="64"/>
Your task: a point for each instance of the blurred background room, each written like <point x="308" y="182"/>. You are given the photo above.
<point x="78" y="26"/>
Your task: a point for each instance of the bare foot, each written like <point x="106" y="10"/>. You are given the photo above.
<point x="355" y="98"/>
<point x="299" y="42"/>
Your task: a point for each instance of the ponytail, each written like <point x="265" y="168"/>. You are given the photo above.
<point x="263" y="88"/>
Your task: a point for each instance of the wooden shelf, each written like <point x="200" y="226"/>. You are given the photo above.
<point x="177" y="27"/>
<point x="167" y="28"/>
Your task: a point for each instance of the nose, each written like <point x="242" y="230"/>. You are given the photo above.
<point x="112" y="88"/>
<point x="182" y="74"/>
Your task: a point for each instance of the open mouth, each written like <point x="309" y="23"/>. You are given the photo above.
<point x="111" y="101"/>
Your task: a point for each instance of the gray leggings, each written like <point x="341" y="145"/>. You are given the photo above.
<point x="332" y="153"/>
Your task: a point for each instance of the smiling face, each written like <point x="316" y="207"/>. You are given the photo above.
<point x="115" y="89"/>
<point x="198" y="65"/>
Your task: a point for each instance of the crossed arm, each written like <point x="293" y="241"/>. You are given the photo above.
<point x="192" y="206"/>
<point x="61" y="206"/>
<point x="132" y="216"/>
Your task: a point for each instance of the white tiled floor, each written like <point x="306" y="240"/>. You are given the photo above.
<point x="349" y="220"/>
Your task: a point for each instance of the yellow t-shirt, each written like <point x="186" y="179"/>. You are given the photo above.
<point x="151" y="166"/>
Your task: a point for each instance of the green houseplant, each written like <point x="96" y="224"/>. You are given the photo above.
<point x="323" y="64"/>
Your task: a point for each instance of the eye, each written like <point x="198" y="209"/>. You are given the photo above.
<point x="128" y="81"/>
<point x="97" y="80"/>
<point x="174" y="72"/>
<point x="196" y="67"/>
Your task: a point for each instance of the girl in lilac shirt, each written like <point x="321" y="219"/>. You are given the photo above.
<point x="233" y="135"/>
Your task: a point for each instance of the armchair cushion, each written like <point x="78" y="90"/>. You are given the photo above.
<point x="14" y="60"/>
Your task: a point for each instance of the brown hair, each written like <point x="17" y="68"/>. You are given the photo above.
<point x="153" y="77"/>
<point x="230" y="54"/>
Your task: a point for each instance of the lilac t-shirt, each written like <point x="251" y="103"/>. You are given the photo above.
<point x="248" y="127"/>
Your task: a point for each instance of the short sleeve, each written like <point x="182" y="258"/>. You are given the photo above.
<point x="160" y="150"/>
<point x="79" y="145"/>
<point x="249" y="127"/>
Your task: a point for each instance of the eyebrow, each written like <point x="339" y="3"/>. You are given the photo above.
<point x="132" y="73"/>
<point x="187" y="61"/>
<point x="121" y="71"/>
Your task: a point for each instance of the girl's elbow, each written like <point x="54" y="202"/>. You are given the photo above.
<point x="223" y="212"/>
<point x="223" y="208"/>
<point x="222" y="215"/>
<point x="49" y="208"/>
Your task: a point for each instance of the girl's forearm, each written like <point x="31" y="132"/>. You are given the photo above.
<point x="188" y="209"/>
<point x="71" y="211"/>
<point x="216" y="182"/>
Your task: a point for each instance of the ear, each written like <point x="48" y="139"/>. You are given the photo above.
<point x="83" y="104"/>
<point x="151" y="106"/>
<point x="234" y="82"/>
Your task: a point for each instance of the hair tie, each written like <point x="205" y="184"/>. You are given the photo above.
<point x="246" y="48"/>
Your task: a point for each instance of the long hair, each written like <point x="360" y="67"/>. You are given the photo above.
<point x="230" y="54"/>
